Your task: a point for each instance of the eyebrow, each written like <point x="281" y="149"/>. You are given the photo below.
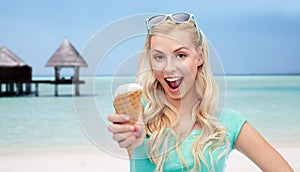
<point x="176" y="50"/>
<point x="180" y="48"/>
<point x="156" y="51"/>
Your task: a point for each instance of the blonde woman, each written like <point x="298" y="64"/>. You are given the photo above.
<point x="182" y="128"/>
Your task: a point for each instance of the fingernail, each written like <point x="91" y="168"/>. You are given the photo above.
<point x="126" y="117"/>
<point x="131" y="128"/>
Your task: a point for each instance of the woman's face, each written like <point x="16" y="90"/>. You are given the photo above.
<point x="174" y="62"/>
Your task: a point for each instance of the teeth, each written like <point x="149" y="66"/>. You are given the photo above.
<point x="172" y="79"/>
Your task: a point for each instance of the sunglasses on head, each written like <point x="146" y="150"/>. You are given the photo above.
<point x="177" y="18"/>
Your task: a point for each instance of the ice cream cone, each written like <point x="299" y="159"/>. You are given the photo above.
<point x="128" y="101"/>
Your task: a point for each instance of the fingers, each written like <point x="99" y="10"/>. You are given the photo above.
<point x="119" y="137"/>
<point x="124" y="139"/>
<point x="138" y="130"/>
<point x="120" y="128"/>
<point x="123" y="134"/>
<point x="118" y="118"/>
<point x="127" y="142"/>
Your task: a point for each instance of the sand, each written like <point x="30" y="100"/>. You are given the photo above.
<point x="238" y="162"/>
<point x="92" y="159"/>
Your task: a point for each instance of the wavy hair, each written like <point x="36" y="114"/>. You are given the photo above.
<point x="159" y="113"/>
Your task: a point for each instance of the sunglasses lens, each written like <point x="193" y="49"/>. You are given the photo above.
<point x="181" y="17"/>
<point x="155" y="20"/>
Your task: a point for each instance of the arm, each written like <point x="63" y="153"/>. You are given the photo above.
<point x="258" y="150"/>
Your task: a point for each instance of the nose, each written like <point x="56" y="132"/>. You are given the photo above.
<point x="170" y="66"/>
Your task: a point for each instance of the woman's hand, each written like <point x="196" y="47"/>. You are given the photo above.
<point x="125" y="134"/>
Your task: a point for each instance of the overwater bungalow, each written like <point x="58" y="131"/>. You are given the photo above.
<point x="14" y="74"/>
<point x="66" y="56"/>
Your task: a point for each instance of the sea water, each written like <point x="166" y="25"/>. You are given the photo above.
<point x="270" y="103"/>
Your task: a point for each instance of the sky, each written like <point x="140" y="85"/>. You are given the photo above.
<point x="250" y="37"/>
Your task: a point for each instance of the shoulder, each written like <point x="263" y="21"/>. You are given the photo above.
<point x="230" y="117"/>
<point x="233" y="121"/>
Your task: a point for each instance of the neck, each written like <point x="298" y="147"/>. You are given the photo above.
<point x="185" y="104"/>
<point x="184" y="107"/>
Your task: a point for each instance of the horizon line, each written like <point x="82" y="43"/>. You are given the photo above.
<point x="253" y="74"/>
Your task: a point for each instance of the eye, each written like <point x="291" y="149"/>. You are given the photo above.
<point x="158" y="57"/>
<point x="181" y="55"/>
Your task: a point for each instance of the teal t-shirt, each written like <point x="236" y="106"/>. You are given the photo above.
<point x="230" y="119"/>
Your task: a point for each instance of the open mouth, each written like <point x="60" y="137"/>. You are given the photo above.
<point x="174" y="83"/>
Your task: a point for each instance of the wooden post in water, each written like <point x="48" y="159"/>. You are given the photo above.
<point x="76" y="79"/>
<point x="11" y="88"/>
<point x="57" y="78"/>
<point x="18" y="92"/>
<point x="21" y="88"/>
<point x="28" y="88"/>
<point x="56" y="89"/>
<point x="36" y="89"/>
<point x="6" y="88"/>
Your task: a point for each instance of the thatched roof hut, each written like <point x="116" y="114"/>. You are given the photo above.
<point x="66" y="56"/>
<point x="13" y="72"/>
<point x="13" y="68"/>
<point x="9" y="59"/>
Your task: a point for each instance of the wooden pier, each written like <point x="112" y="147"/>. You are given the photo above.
<point x="16" y="88"/>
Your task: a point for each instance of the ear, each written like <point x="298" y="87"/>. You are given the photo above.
<point x="200" y="58"/>
<point x="200" y="62"/>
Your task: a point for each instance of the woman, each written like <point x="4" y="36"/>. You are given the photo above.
<point x="182" y="128"/>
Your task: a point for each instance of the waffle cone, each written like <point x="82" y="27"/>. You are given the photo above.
<point x="129" y="103"/>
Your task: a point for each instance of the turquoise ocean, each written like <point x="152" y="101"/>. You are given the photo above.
<point x="270" y="103"/>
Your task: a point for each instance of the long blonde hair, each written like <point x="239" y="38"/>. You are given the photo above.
<point x="159" y="113"/>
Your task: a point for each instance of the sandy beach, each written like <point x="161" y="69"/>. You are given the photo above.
<point x="92" y="159"/>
